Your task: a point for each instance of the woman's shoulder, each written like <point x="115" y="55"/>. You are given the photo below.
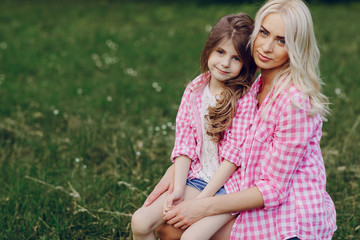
<point x="292" y="95"/>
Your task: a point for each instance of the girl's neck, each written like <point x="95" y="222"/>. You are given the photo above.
<point x="215" y="87"/>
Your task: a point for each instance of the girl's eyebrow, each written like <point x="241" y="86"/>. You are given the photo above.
<point x="220" y="48"/>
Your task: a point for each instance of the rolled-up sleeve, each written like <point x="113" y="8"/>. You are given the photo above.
<point x="185" y="143"/>
<point x="287" y="148"/>
<point x="232" y="146"/>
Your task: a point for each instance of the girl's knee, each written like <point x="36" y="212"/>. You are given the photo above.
<point x="139" y="223"/>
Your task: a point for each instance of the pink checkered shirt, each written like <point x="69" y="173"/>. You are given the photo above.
<point x="188" y="138"/>
<point x="286" y="164"/>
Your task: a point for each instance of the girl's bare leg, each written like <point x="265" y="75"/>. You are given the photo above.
<point x="205" y="228"/>
<point x="168" y="232"/>
<point x="146" y="219"/>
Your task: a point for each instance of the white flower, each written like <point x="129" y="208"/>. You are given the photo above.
<point x="111" y="44"/>
<point x="79" y="91"/>
<point x="56" y="112"/>
<point x="337" y="91"/>
<point x="131" y="72"/>
<point x="155" y="85"/>
<point x="77" y="160"/>
<point x="208" y="27"/>
<point x="3" y="45"/>
<point x="109" y="98"/>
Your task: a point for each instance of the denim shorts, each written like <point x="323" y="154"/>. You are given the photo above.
<point x="200" y="184"/>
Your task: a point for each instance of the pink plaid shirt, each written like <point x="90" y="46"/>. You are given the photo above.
<point x="188" y="140"/>
<point x="286" y="164"/>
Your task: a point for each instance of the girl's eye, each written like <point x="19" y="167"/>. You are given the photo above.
<point x="237" y="59"/>
<point x="220" y="52"/>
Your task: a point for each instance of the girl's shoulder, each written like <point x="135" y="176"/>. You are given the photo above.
<point x="199" y="82"/>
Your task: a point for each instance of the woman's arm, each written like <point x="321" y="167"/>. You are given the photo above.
<point x="166" y="183"/>
<point x="190" y="211"/>
<point x="220" y="177"/>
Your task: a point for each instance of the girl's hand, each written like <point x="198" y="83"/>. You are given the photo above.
<point x="185" y="213"/>
<point x="172" y="199"/>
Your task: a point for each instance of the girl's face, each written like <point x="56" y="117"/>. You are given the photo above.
<point x="269" y="49"/>
<point x="224" y="62"/>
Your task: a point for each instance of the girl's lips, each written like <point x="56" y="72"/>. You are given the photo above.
<point x="263" y="58"/>
<point x="221" y="71"/>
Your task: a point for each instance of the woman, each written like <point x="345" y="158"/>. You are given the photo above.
<point x="283" y="181"/>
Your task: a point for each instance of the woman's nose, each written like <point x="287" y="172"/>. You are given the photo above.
<point x="268" y="45"/>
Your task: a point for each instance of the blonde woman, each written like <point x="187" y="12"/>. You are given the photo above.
<point x="283" y="182"/>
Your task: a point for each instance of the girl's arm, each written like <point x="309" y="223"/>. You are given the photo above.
<point x="182" y="165"/>
<point x="221" y="175"/>
<point x="190" y="211"/>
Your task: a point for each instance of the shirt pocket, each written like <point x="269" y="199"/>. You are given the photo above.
<point x="264" y="132"/>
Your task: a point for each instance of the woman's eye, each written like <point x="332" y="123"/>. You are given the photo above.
<point x="237" y="59"/>
<point x="281" y="41"/>
<point x="220" y="52"/>
<point x="263" y="33"/>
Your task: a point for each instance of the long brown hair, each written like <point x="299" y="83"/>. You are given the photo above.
<point x="238" y="28"/>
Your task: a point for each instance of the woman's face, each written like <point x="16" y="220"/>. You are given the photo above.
<point x="269" y="49"/>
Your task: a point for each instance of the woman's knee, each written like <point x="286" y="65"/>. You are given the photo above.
<point x="168" y="232"/>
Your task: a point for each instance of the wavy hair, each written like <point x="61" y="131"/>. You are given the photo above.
<point x="302" y="69"/>
<point x="238" y="28"/>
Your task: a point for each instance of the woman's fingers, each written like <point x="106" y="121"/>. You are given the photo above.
<point x="158" y="190"/>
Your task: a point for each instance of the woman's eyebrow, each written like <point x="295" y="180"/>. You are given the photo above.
<point x="263" y="28"/>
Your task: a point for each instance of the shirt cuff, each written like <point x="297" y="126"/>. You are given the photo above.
<point x="270" y="195"/>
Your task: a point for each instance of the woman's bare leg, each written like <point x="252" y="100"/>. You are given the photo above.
<point x="224" y="232"/>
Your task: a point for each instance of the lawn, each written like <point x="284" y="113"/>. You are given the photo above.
<point x="89" y="92"/>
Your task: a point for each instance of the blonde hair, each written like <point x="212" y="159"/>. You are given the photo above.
<point x="302" y="69"/>
<point x="238" y="28"/>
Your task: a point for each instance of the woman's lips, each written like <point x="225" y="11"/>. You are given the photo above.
<point x="263" y="58"/>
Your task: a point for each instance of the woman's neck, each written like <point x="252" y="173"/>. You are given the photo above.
<point x="267" y="77"/>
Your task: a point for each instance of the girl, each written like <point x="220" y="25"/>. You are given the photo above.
<point x="212" y="121"/>
<point x="283" y="182"/>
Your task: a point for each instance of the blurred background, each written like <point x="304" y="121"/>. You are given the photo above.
<point x="89" y="92"/>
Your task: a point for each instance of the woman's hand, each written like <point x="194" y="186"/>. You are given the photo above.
<point x="166" y="183"/>
<point x="186" y="213"/>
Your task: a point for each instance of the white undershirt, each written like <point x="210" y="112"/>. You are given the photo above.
<point x="209" y="149"/>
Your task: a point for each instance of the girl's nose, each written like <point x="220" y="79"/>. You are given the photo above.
<point x="226" y="62"/>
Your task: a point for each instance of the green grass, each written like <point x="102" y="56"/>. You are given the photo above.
<point x="89" y="92"/>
